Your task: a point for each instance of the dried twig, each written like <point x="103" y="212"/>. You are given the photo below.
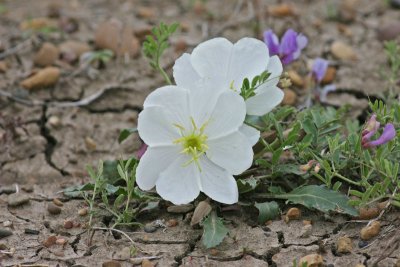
<point x="115" y="230"/>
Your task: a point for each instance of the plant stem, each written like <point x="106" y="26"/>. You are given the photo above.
<point x="164" y="74"/>
<point x="338" y="175"/>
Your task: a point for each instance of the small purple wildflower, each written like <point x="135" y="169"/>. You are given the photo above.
<point x="372" y="126"/>
<point x="289" y="48"/>
<point x="319" y="69"/>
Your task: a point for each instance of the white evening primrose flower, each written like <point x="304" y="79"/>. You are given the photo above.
<point x="231" y="63"/>
<point x="194" y="142"/>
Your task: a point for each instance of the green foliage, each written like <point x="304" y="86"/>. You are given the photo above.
<point x="125" y="133"/>
<point x="101" y="56"/>
<point x="246" y="185"/>
<point x="267" y="211"/>
<point x="248" y="89"/>
<point x="214" y="230"/>
<point x="155" y="45"/>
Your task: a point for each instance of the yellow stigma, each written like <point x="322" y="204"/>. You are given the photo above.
<point x="193" y="142"/>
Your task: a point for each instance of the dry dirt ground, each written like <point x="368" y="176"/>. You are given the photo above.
<point x="46" y="147"/>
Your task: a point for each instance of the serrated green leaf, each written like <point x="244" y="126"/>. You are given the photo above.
<point x="125" y="133"/>
<point x="214" y="231"/>
<point x="267" y="211"/>
<point x="320" y="198"/>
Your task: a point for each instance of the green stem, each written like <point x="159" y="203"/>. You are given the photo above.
<point x="338" y="175"/>
<point x="164" y="74"/>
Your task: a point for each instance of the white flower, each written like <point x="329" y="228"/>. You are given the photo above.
<point x="194" y="142"/>
<point x="231" y="63"/>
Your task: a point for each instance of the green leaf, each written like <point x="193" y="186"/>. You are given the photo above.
<point x="125" y="133"/>
<point x="214" y="231"/>
<point x="320" y="198"/>
<point x="246" y="185"/>
<point x="267" y="211"/>
<point x="76" y="190"/>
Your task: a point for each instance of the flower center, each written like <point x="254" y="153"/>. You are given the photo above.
<point x="193" y="141"/>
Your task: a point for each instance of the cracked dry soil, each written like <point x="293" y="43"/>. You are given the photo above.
<point x="45" y="154"/>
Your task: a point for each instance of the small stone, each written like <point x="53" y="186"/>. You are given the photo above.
<point x="147" y="263"/>
<point x="31" y="231"/>
<point x="51" y="240"/>
<point x="293" y="214"/>
<point x="5" y="233"/>
<point x="61" y="241"/>
<point x="17" y="199"/>
<point x="83" y="212"/>
<point x="329" y="75"/>
<point x="296" y="78"/>
<point x="382" y="205"/>
<point x="362" y="244"/>
<point x="27" y="188"/>
<point x="214" y="252"/>
<point x="111" y="264"/>
<point x="389" y="31"/>
<point x="348" y="10"/>
<point x="7" y="223"/>
<point x="368" y="213"/>
<point x="146" y="12"/>
<point x="306" y="231"/>
<point x="362" y="265"/>
<point x="142" y="31"/>
<point x="172" y="223"/>
<point x="47" y="55"/>
<point x="370" y="231"/>
<point x="306" y="222"/>
<point x="58" y="202"/>
<point x="201" y="211"/>
<point x="46" y="77"/>
<point x="90" y="143"/>
<point x="180" y="208"/>
<point x="71" y="50"/>
<point x="53" y="209"/>
<point x="344" y="245"/>
<point x="149" y="228"/>
<point x="3" y="67"/>
<point x="68" y="224"/>
<point x="59" y="253"/>
<point x="312" y="260"/>
<point x="7" y="190"/>
<point x="282" y="10"/>
<point x="289" y="97"/>
<point x="343" y="51"/>
<point x="54" y="121"/>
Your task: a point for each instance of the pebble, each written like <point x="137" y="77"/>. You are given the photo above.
<point x="368" y="213"/>
<point x="83" y="212"/>
<point x="51" y="240"/>
<point x="90" y="143"/>
<point x="57" y="202"/>
<point x="313" y="260"/>
<point x="147" y="263"/>
<point x="344" y="245"/>
<point x="329" y="75"/>
<point x="68" y="224"/>
<point x="149" y="228"/>
<point x="180" y="208"/>
<point x="47" y="55"/>
<point x="111" y="264"/>
<point x="282" y="10"/>
<point x="289" y="97"/>
<point x="31" y="231"/>
<point x="172" y="223"/>
<point x="72" y="50"/>
<point x="201" y="211"/>
<point x="54" y="121"/>
<point x="146" y="12"/>
<point x="306" y="231"/>
<point x="343" y="51"/>
<point x="296" y="78"/>
<point x="7" y="223"/>
<point x="8" y="190"/>
<point x="5" y="233"/>
<point x="53" y="209"/>
<point x="61" y="241"/>
<point x="3" y="67"/>
<point x="17" y="199"/>
<point x="46" y="77"/>
<point x="388" y="31"/>
<point x="27" y="188"/>
<point x="370" y="231"/>
<point x="362" y="243"/>
<point x="293" y="214"/>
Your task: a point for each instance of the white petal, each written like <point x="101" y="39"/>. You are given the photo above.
<point x="154" y="161"/>
<point x="204" y="98"/>
<point x="249" y="58"/>
<point x="233" y="152"/>
<point x="275" y="68"/>
<point x="263" y="102"/>
<point x="184" y="74"/>
<point x="217" y="183"/>
<point x="252" y="134"/>
<point x="155" y="127"/>
<point x="175" y="100"/>
<point x="212" y="57"/>
<point x="227" y="116"/>
<point x="179" y="184"/>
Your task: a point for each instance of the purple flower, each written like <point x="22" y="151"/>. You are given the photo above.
<point x="141" y="151"/>
<point x="372" y="126"/>
<point x="289" y="48"/>
<point x="370" y="129"/>
<point x="319" y="68"/>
